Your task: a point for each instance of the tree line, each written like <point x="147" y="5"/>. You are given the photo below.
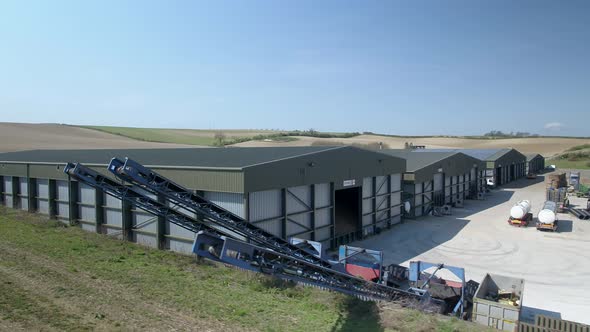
<point x="499" y="133"/>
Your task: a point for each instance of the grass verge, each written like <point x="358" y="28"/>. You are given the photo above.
<point x="567" y="164"/>
<point x="62" y="278"/>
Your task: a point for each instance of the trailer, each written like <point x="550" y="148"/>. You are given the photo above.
<point x="547" y="218"/>
<point x="498" y="301"/>
<point x="520" y="214"/>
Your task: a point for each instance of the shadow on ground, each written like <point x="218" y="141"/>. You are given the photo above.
<point x="522" y="183"/>
<point x="358" y="315"/>
<point x="565" y="226"/>
<point x="414" y="237"/>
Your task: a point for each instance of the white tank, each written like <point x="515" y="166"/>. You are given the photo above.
<point x="520" y="209"/>
<point x="547" y="214"/>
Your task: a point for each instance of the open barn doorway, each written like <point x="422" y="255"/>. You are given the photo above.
<point x="348" y="203"/>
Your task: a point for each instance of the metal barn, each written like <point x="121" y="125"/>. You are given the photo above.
<point x="535" y="163"/>
<point x="502" y="165"/>
<point x="438" y="178"/>
<point x="329" y="194"/>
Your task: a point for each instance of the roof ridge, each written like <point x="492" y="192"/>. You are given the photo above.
<point x="328" y="148"/>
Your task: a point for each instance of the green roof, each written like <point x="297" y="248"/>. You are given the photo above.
<point x="532" y="156"/>
<point x="184" y="157"/>
<point x="416" y="161"/>
<point x="498" y="154"/>
<point x="481" y="154"/>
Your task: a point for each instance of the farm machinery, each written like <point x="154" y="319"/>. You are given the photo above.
<point x="227" y="238"/>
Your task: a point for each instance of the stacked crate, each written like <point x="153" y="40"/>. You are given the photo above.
<point x="556" y="180"/>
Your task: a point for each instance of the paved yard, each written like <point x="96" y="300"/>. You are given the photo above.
<point x="555" y="266"/>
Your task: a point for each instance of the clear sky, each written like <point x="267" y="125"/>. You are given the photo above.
<point x="396" y="67"/>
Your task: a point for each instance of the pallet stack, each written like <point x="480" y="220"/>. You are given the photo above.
<point x="556" y="194"/>
<point x="556" y="180"/>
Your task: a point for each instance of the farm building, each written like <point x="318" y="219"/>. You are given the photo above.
<point x="437" y="178"/>
<point x="535" y="163"/>
<point x="329" y="194"/>
<point x="502" y="165"/>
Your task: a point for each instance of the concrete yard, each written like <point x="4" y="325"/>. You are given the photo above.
<point x="555" y="266"/>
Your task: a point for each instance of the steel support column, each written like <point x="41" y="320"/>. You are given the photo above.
<point x="312" y="218"/>
<point x="284" y="219"/>
<point x="333" y="217"/>
<point x="73" y="200"/>
<point x="161" y="226"/>
<point x="51" y="199"/>
<point x="127" y="220"/>
<point x="32" y="190"/>
<point x="2" y="199"/>
<point x="15" y="192"/>
<point x="373" y="205"/>
<point x="98" y="209"/>
<point x="30" y="194"/>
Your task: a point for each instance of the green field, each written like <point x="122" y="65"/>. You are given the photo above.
<point x="183" y="136"/>
<point x="567" y="164"/>
<point x="577" y="157"/>
<point x="62" y="278"/>
<point x="219" y="137"/>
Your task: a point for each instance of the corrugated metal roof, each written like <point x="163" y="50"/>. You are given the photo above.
<point x="416" y="161"/>
<point x="481" y="154"/>
<point x="185" y="157"/>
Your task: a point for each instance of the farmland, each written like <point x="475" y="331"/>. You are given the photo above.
<point x="25" y="136"/>
<point x="182" y="136"/>
<point x="18" y="136"/>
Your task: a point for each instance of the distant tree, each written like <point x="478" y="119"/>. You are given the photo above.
<point x="499" y="133"/>
<point x="219" y="138"/>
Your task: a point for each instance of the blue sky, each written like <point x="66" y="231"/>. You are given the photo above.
<point x="396" y="67"/>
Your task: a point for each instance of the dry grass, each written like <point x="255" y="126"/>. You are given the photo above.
<point x="543" y="145"/>
<point x="15" y="137"/>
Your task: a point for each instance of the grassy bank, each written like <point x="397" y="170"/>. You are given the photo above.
<point x="567" y="164"/>
<point x="62" y="278"/>
<point x="577" y="157"/>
